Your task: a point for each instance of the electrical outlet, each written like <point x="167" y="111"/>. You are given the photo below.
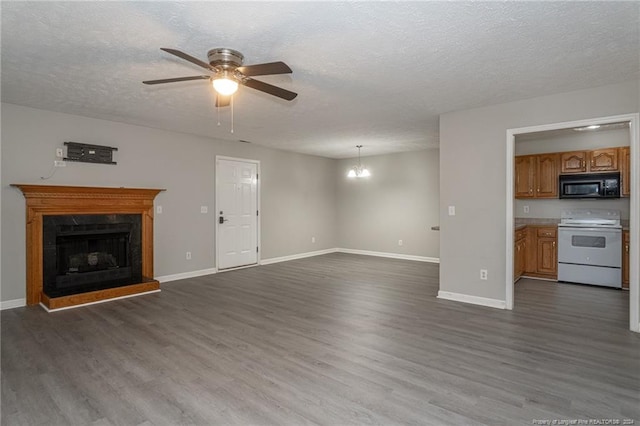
<point x="313" y="239"/>
<point x="159" y="209"/>
<point x="59" y="153"/>
<point x="483" y="274"/>
<point x="59" y="163"/>
<point x="204" y="209"/>
<point x="399" y="242"/>
<point x="526" y="209"/>
<point x="188" y="255"/>
<point x="452" y="210"/>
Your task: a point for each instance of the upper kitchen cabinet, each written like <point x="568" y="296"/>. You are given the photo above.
<point x="573" y="162"/>
<point x="603" y="160"/>
<point x="599" y="160"/>
<point x="547" y="175"/>
<point x="625" y="171"/>
<point x="525" y="167"/>
<point x="536" y="176"/>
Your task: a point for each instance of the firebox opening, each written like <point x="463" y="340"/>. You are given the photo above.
<point x="90" y="252"/>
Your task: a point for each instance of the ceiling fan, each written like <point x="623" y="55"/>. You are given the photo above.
<point x="228" y="72"/>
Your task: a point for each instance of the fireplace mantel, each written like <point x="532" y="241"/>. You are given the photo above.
<point x="44" y="200"/>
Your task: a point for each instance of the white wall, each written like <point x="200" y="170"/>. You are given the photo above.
<point x="473" y="178"/>
<point x="298" y="191"/>
<point x="573" y="141"/>
<point x="399" y="201"/>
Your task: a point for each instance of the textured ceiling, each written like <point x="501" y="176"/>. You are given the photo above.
<point x="370" y="73"/>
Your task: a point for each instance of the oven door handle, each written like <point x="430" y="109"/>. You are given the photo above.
<point x="581" y="228"/>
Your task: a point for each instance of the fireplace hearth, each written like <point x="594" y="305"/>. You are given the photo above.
<point x="87" y="244"/>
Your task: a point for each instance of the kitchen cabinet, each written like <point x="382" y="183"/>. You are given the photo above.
<point x="625" y="171"/>
<point x="536" y="252"/>
<point x="525" y="167"/>
<point x="625" y="259"/>
<point x="603" y="160"/>
<point x="547" y="252"/>
<point x="547" y="175"/>
<point x="573" y="162"/>
<point x="536" y="176"/>
<point x="520" y="253"/>
<point x="598" y="160"/>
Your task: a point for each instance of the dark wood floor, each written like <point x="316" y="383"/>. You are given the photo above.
<point x="335" y="339"/>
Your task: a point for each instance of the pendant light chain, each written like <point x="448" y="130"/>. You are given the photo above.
<point x="358" y="171"/>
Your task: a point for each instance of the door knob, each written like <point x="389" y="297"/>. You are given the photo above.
<point x="222" y="220"/>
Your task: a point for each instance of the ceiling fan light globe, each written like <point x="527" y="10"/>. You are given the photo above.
<point x="225" y="86"/>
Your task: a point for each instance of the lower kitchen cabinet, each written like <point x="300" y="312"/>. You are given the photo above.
<point x="520" y="253"/>
<point x="535" y="252"/>
<point x="625" y="259"/>
<point x="547" y="252"/>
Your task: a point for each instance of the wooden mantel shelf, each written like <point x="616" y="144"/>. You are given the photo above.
<point x="90" y="192"/>
<point x="65" y="200"/>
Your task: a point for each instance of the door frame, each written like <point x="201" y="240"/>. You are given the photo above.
<point x="217" y="215"/>
<point x="634" y="201"/>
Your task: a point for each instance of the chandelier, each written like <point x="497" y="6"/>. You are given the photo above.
<point x="358" y="171"/>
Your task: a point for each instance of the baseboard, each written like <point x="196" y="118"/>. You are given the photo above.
<point x="10" y="304"/>
<point x="390" y="255"/>
<point x="193" y="274"/>
<point x="475" y="300"/>
<point x="185" y="275"/>
<point x="297" y="256"/>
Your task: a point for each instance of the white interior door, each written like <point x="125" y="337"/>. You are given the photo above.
<point x="236" y="213"/>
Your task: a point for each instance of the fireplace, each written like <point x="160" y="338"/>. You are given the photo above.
<point x="87" y="244"/>
<point x="83" y="253"/>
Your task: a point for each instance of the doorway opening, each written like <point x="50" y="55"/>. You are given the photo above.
<point x="633" y="121"/>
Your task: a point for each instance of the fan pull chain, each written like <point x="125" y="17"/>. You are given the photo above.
<point x="218" y="111"/>
<point x="231" y="113"/>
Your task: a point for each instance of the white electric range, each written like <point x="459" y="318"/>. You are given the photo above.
<point x="590" y="247"/>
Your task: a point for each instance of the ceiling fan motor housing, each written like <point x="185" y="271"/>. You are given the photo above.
<point x="225" y="58"/>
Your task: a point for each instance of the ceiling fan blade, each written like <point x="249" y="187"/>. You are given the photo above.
<point x="189" y="58"/>
<point x="173" y="80"/>
<point x="270" y="89"/>
<point x="265" y="69"/>
<point x="223" y="101"/>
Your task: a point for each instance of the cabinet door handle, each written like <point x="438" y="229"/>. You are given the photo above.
<point x="554" y="244"/>
<point x="626" y="248"/>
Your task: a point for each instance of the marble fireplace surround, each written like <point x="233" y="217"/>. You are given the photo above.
<point x="44" y="200"/>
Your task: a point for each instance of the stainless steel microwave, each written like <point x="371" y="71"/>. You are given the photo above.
<point x="592" y="185"/>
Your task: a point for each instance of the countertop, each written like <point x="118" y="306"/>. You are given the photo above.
<point x="521" y="222"/>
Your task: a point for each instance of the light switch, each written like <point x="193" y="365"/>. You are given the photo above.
<point x="204" y="209"/>
<point x="452" y="210"/>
